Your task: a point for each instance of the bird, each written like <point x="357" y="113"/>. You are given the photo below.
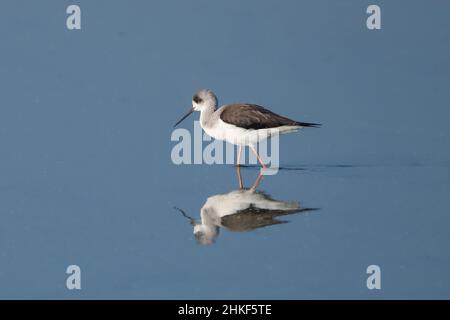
<point x="238" y="211"/>
<point x="241" y="124"/>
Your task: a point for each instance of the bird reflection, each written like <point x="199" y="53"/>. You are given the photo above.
<point x="240" y="210"/>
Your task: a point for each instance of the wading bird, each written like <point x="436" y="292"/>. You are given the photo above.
<point x="241" y="124"/>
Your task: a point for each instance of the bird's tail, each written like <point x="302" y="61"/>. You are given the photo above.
<point x="308" y="124"/>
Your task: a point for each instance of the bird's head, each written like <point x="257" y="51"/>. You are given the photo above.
<point x="204" y="234"/>
<point x="202" y="100"/>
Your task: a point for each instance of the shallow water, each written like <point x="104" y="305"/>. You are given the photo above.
<point x="87" y="177"/>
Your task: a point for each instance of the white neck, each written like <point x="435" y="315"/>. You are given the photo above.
<point x="205" y="115"/>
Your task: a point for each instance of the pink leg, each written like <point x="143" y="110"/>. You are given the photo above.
<point x="239" y="156"/>
<point x="238" y="171"/>
<point x="258" y="157"/>
<point x="238" y="168"/>
<point x="257" y="181"/>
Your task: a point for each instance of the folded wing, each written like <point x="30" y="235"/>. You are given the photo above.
<point x="252" y="116"/>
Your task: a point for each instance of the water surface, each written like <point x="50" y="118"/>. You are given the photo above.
<point x="86" y="176"/>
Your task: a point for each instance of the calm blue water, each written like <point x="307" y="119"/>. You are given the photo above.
<point x="86" y="176"/>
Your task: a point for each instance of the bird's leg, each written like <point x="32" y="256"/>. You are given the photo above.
<point x="257" y="181"/>
<point x="239" y="156"/>
<point x="238" y="171"/>
<point x="238" y="167"/>
<point x="258" y="157"/>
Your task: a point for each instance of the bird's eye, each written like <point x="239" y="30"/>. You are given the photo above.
<point x="197" y="99"/>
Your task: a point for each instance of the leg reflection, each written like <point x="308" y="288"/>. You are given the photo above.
<point x="241" y="183"/>
<point x="257" y="181"/>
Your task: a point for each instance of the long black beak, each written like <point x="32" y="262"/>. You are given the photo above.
<point x="184" y="117"/>
<point x="192" y="220"/>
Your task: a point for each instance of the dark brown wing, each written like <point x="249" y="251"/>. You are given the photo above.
<point x="248" y="220"/>
<point x="254" y="218"/>
<point x="252" y="116"/>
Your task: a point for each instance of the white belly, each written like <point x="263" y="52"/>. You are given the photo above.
<point x="232" y="134"/>
<point x="240" y="136"/>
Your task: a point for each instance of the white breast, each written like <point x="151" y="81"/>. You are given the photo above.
<point x="235" y="135"/>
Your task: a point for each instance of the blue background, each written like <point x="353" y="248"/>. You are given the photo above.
<point x="86" y="176"/>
